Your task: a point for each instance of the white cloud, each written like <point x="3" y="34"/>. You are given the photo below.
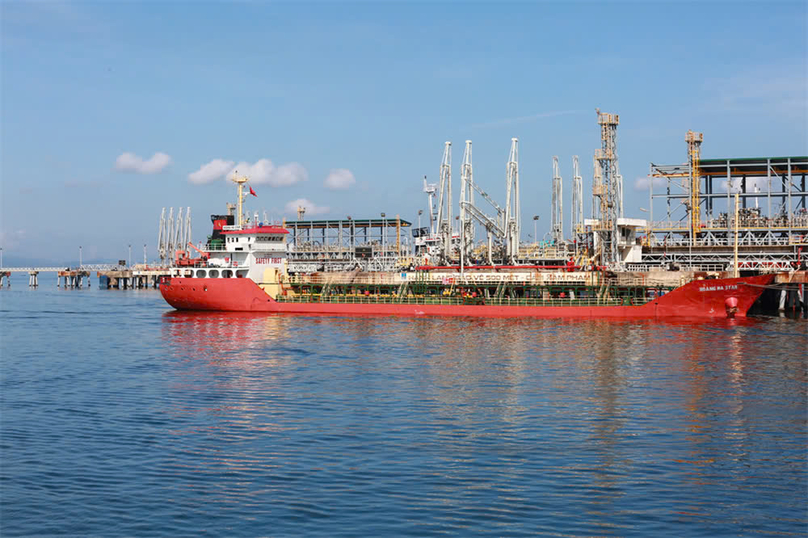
<point x="311" y="207"/>
<point x="129" y="162"/>
<point x="261" y="172"/>
<point x="339" y="179"/>
<point x="210" y="172"/>
<point x="643" y="182"/>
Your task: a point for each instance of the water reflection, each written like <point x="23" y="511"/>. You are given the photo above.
<point x="614" y="420"/>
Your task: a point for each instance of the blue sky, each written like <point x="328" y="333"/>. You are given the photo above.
<point x="110" y="110"/>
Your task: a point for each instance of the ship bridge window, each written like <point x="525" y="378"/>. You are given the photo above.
<point x="269" y="238"/>
<point x="241" y="273"/>
<point x="227" y="273"/>
<point x="214" y="273"/>
<point x="200" y="273"/>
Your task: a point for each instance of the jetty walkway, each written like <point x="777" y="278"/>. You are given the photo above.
<point x="109" y="276"/>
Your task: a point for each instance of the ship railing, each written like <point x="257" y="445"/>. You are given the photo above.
<point x="467" y="301"/>
<point x="325" y="278"/>
<point x="371" y="279"/>
<point x="437" y="277"/>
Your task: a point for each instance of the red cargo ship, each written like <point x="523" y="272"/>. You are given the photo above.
<point x="244" y="269"/>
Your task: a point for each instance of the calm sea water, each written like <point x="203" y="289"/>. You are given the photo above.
<point x="121" y="417"/>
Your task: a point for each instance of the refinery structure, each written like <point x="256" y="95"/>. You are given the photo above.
<point x="730" y="214"/>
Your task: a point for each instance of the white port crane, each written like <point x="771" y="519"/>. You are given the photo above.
<point x="513" y="219"/>
<point x="444" y="221"/>
<point x="557" y="222"/>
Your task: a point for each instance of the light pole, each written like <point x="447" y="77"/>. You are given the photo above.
<point x="384" y="235"/>
<point x="1" y="257"/>
<point x="535" y="227"/>
<point x="144" y="254"/>
<point x="80" y="264"/>
<point x="420" y="212"/>
<point x="130" y="255"/>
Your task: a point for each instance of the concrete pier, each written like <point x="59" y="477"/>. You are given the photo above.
<point x="73" y="278"/>
<point x="137" y="278"/>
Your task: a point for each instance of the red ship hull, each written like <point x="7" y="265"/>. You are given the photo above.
<point x="716" y="298"/>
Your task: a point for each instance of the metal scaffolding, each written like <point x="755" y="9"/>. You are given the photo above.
<point x="348" y="244"/>
<point x="699" y="226"/>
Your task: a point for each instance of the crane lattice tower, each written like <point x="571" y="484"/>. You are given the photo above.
<point x="610" y="190"/>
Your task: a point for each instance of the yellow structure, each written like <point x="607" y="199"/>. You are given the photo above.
<point x="694" y="141"/>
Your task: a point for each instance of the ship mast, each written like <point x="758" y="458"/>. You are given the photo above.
<point x="240" y="181"/>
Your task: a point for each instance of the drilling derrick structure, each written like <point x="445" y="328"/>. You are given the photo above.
<point x="577" y="220"/>
<point x="444" y="220"/>
<point x="513" y="218"/>
<point x="557" y="223"/>
<point x="466" y="200"/>
<point x="694" y="141"/>
<point x="610" y="190"/>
